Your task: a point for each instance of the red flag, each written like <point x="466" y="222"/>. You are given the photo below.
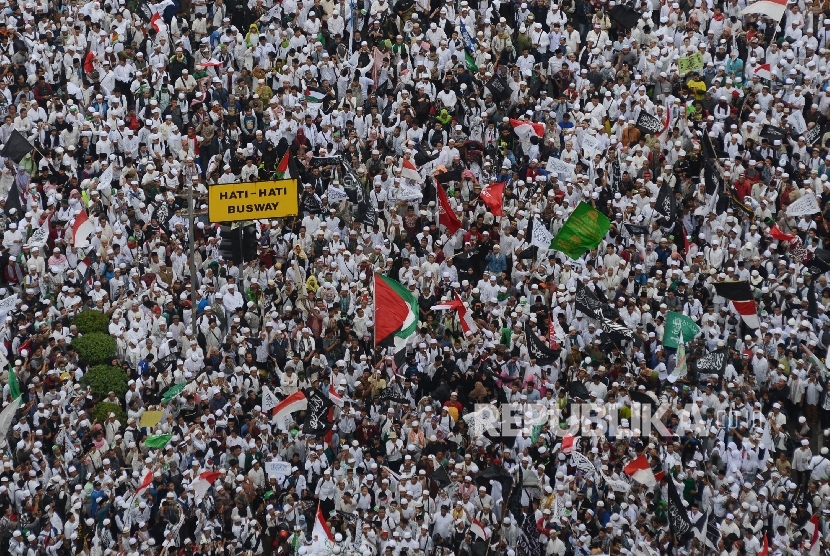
<point x="567" y="444"/>
<point x="765" y="549"/>
<point x="778" y="235"/>
<point x="493" y="197"/>
<point x="446" y="216"/>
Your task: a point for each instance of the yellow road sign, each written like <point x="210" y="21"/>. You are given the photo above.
<point x="253" y="201"/>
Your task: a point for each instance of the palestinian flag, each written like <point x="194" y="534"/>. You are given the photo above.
<point x="282" y="169"/>
<point x="396" y="313"/>
<point x="314" y="97"/>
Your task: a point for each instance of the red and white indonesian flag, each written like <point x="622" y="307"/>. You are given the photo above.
<point x="640" y="471"/>
<point x="321" y="537"/>
<point x="410" y="172"/>
<point x="748" y="312"/>
<point x="477" y="529"/>
<point x="295" y="402"/>
<point x="468" y="325"/>
<point x="82" y="228"/>
<point x="203" y="483"/>
<point x="148" y="479"/>
<point x="773" y="9"/>
<point x="336" y="398"/>
<point x="813" y="539"/>
<point x="525" y="130"/>
<point x="567" y="444"/>
<point x="764" y="71"/>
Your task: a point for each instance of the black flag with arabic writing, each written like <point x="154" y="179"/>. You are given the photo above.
<point x="536" y="349"/>
<point x="528" y="543"/>
<point x="666" y="203"/>
<point x="317" y="421"/>
<point x="678" y="516"/>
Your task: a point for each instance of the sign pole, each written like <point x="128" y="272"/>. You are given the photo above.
<point x="191" y="239"/>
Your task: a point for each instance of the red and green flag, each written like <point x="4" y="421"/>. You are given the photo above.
<point x="396" y="313"/>
<point x="282" y="169"/>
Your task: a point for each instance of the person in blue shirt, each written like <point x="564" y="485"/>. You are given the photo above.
<point x="496" y="262"/>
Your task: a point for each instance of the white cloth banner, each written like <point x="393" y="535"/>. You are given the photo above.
<point x="269" y="400"/>
<point x="556" y="166"/>
<point x="805" y="205"/>
<point x="336" y="195"/>
<point x="105" y="179"/>
<point x="278" y="468"/>
<point x="590" y="144"/>
<point x="540" y="236"/>
<point x="40" y="236"/>
<point x="408" y="193"/>
<point x="583" y="464"/>
<point x="6" y="418"/>
<point x="7" y="305"/>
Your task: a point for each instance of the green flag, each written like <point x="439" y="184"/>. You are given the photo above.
<point x="584" y="229"/>
<point x="677" y="324"/>
<point x="470" y="61"/>
<point x="158" y="440"/>
<point x="14" y="387"/>
<point x="680" y="363"/>
<point x="694" y="62"/>
<point x="172" y="392"/>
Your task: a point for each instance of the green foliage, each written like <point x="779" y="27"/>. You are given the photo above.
<point x="96" y="347"/>
<point x="91" y="321"/>
<point x="103" y="409"/>
<point x="103" y="379"/>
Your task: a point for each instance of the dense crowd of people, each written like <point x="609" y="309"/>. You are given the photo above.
<point x="392" y="117"/>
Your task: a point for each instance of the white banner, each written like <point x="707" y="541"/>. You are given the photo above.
<point x="7" y="417"/>
<point x="590" y="144"/>
<point x="7" y="305"/>
<point x="540" y="236"/>
<point x="556" y="166"/>
<point x="269" y="399"/>
<point x="409" y="193"/>
<point x="336" y="195"/>
<point x="807" y="204"/>
<point x="583" y="464"/>
<point x="105" y="179"/>
<point x="40" y="236"/>
<point x="278" y="468"/>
